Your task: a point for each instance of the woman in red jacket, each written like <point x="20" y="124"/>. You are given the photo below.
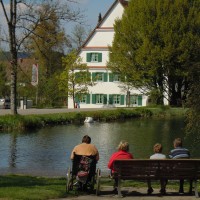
<point x="122" y="153"/>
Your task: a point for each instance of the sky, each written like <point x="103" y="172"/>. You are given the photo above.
<point x="92" y="9"/>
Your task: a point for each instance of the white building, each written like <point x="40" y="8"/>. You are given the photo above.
<point x="108" y="91"/>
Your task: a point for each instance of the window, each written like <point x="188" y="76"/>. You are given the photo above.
<point x="99" y="76"/>
<point x="116" y="99"/>
<point x="116" y="77"/>
<point x="133" y="100"/>
<point x="136" y="100"/>
<point x="94" y="57"/>
<point x="99" y="98"/>
<point x="83" y="99"/>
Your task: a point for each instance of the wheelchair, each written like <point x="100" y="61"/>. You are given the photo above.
<point x="93" y="177"/>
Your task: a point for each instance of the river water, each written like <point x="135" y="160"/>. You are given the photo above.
<point x="46" y="152"/>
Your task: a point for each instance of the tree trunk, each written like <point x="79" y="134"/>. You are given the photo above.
<point x="13" y="52"/>
<point x="13" y="87"/>
<point x="175" y="96"/>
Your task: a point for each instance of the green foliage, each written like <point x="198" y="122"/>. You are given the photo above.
<point x="155" y="97"/>
<point x="155" y="44"/>
<point x="4" y="88"/>
<point x="193" y="102"/>
<point x="75" y="78"/>
<point x="30" y="122"/>
<point x="47" y="45"/>
<point x="10" y="122"/>
<point x="49" y="94"/>
<point x="48" y="41"/>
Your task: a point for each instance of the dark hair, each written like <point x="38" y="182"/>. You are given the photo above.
<point x="86" y="139"/>
<point x="178" y="142"/>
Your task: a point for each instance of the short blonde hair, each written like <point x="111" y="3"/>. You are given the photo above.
<point x="157" y="148"/>
<point x="123" y="145"/>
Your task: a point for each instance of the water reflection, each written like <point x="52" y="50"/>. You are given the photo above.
<point x="13" y="151"/>
<point x="47" y="151"/>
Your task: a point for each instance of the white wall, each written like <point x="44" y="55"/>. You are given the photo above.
<point x="115" y="14"/>
<point x="101" y="38"/>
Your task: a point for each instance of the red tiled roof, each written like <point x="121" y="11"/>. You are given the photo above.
<point x="124" y="2"/>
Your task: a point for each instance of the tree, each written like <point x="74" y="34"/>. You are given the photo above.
<point x="48" y="92"/>
<point x="155" y="44"/>
<point x="75" y="78"/>
<point x="49" y="47"/>
<point x="79" y="34"/>
<point x="4" y="87"/>
<point x="193" y="117"/>
<point x="23" y="17"/>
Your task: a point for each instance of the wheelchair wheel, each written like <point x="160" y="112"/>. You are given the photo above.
<point x="69" y="182"/>
<point x="98" y="176"/>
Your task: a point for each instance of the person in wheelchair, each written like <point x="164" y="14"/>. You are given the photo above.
<point x="84" y="157"/>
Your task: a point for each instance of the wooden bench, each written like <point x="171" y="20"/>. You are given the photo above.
<point x="171" y="169"/>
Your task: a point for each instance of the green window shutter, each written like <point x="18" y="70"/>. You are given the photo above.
<point x="139" y="100"/>
<point x="93" y="98"/>
<point x="88" y="99"/>
<point x="105" y="78"/>
<point x="122" y="100"/>
<point x="110" y="99"/>
<point x="105" y="99"/>
<point x="110" y="77"/>
<point x="93" y="76"/>
<point x="99" y="57"/>
<point x="88" y="57"/>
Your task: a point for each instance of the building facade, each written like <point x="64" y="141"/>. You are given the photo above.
<point x="108" y="91"/>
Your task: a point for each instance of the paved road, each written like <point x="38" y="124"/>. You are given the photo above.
<point x="35" y="111"/>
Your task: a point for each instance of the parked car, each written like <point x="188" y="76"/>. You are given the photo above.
<point x="5" y="103"/>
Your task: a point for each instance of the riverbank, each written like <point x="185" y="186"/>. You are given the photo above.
<point x="38" y="118"/>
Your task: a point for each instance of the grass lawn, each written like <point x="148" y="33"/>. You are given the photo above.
<point x="22" y="187"/>
<point x="29" y="187"/>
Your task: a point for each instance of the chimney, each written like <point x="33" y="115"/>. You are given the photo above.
<point x="99" y="18"/>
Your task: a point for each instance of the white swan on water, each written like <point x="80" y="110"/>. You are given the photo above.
<point x="89" y="120"/>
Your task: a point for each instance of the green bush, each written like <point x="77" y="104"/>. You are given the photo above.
<point x="27" y="122"/>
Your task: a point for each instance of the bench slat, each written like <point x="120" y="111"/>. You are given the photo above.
<point x="157" y="169"/>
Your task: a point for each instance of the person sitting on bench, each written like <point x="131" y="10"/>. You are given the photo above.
<point x="177" y="153"/>
<point x="122" y="153"/>
<point x="157" y="155"/>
